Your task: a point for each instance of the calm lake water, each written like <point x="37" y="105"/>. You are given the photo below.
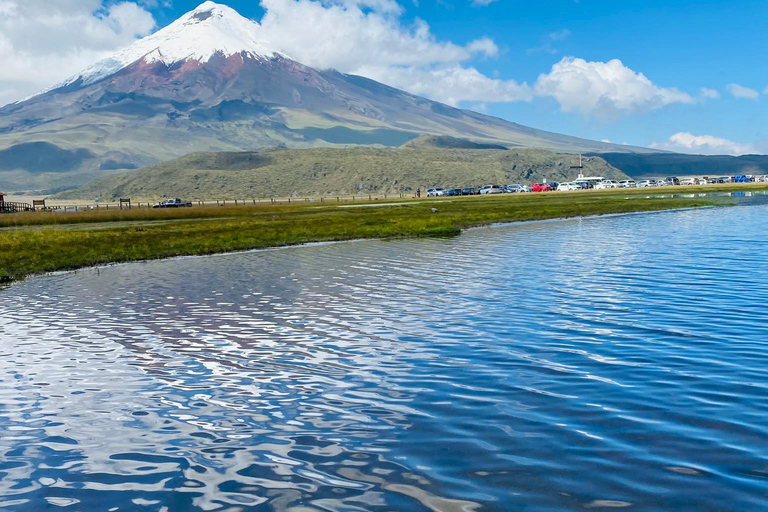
<point x="593" y="364"/>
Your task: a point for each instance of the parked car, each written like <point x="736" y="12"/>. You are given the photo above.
<point x="743" y="178"/>
<point x="173" y="203"/>
<point x="724" y="179"/>
<point x="602" y="185"/>
<point x="469" y="191"/>
<point x="454" y="192"/>
<point x="515" y="189"/>
<point x="491" y="189"/>
<point x="689" y="181"/>
<point x="568" y="186"/>
<point x="644" y="184"/>
<point x="540" y="187"/>
<point x="435" y="192"/>
<point x="627" y="184"/>
<point x="672" y="180"/>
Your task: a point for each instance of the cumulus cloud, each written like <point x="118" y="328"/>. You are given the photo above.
<point x="685" y="142"/>
<point x="739" y="91"/>
<point x="482" y="3"/>
<point x="352" y="38"/>
<point x="710" y="94"/>
<point x="604" y="89"/>
<point x="44" y="42"/>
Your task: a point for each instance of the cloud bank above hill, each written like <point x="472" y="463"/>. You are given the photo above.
<point x="685" y="142"/>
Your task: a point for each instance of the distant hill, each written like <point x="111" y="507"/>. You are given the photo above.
<point x="332" y="171"/>
<point x="656" y="165"/>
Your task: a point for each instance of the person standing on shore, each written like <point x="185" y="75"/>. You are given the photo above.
<point x="418" y="193"/>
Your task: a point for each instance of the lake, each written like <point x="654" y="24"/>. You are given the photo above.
<point x="615" y="363"/>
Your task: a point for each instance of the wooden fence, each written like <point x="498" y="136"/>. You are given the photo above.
<point x="125" y="203"/>
<point x="6" y="207"/>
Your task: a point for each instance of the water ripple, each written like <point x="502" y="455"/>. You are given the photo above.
<point x="596" y="364"/>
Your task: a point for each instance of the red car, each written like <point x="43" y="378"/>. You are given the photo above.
<point x="540" y="187"/>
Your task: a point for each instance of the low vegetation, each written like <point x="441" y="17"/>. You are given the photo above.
<point x="40" y="242"/>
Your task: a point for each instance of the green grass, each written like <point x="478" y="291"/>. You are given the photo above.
<point x="34" y="243"/>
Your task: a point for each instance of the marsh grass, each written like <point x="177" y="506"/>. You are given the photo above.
<point x="33" y="243"/>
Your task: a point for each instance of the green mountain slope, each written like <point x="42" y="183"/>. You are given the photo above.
<point x="331" y="171"/>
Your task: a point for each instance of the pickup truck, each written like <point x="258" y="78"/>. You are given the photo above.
<point x="172" y="203"/>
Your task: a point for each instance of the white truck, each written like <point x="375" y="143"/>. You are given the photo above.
<point x="173" y="203"/>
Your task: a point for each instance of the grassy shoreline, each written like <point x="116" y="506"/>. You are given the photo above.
<point x="36" y="243"/>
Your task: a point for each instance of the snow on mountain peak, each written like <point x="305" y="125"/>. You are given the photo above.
<point x="200" y="34"/>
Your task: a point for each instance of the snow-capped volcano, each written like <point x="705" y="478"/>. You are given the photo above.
<point x="208" y="82"/>
<point x="211" y="29"/>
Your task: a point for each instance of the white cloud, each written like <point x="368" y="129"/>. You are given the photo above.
<point x="710" y="94"/>
<point x="376" y="44"/>
<point x="484" y="45"/>
<point x="685" y="142"/>
<point x="739" y="91"/>
<point x="765" y="91"/>
<point x="482" y="3"/>
<point x="43" y="42"/>
<point x="604" y="89"/>
<point x="451" y="84"/>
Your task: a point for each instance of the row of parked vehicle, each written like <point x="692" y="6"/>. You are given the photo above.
<point x="478" y="191"/>
<point x="594" y="182"/>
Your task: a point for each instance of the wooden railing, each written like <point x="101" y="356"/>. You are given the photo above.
<point x="6" y="207"/>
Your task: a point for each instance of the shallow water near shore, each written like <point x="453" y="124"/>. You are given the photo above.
<point x="587" y="364"/>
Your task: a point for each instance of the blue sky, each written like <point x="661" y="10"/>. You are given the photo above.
<point x="547" y="64"/>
